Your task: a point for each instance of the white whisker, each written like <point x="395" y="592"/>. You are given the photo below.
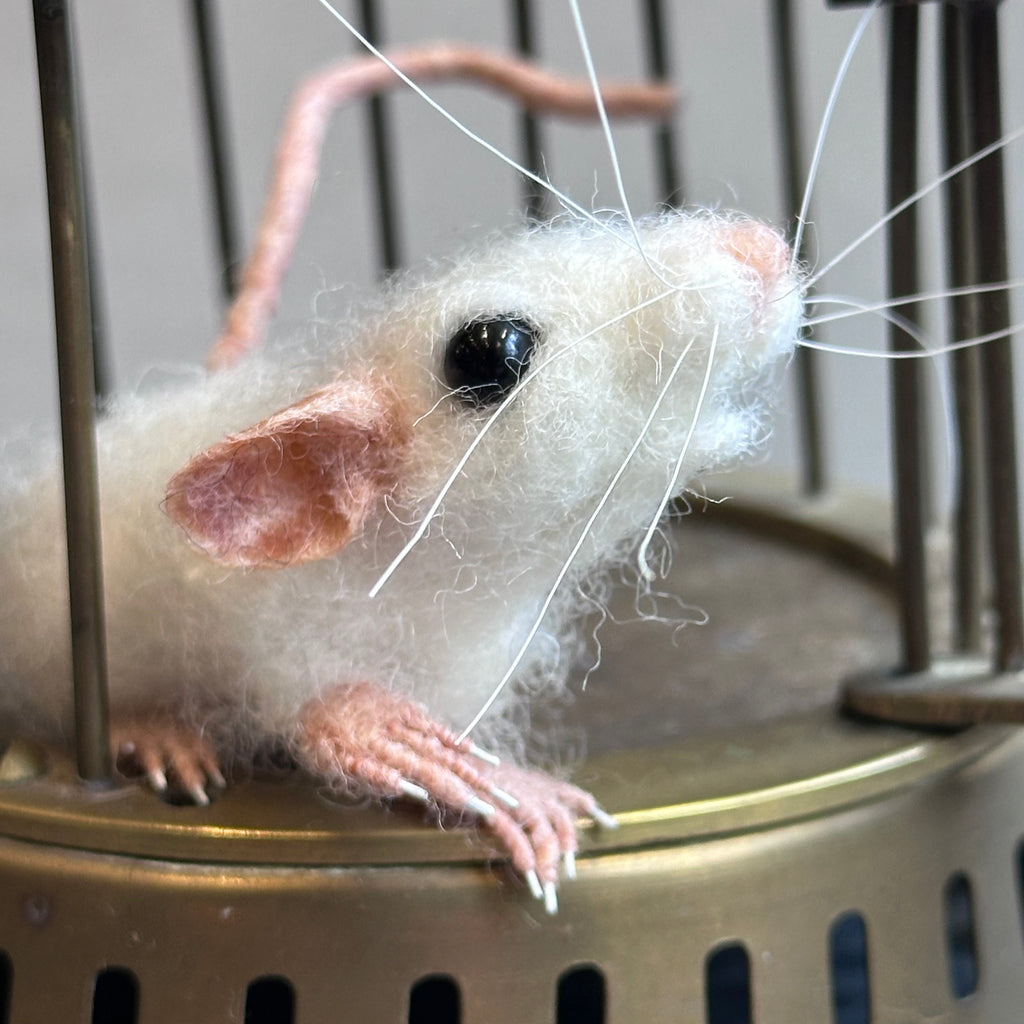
<point x="932" y="296"/>
<point x="418" y="533"/>
<point x="658" y="271"/>
<point x="931" y="350"/>
<point x="645" y="569"/>
<point x="955" y="346"/>
<point x="563" y="198"/>
<point x="826" y="120"/>
<point x="915" y="197"/>
<point x="448" y="116"/>
<point x="884" y="312"/>
<point x="580" y="541"/>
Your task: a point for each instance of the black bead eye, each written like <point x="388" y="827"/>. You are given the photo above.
<point x="486" y="358"/>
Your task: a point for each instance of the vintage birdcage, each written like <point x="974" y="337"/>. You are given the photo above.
<point x="821" y="818"/>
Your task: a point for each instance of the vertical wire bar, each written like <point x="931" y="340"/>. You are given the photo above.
<point x="380" y="144"/>
<point x="102" y="374"/>
<point x="960" y="258"/>
<point x="535" y="198"/>
<point x="996" y="356"/>
<point x="659" y="66"/>
<point x="906" y="398"/>
<point x="808" y="387"/>
<point x="221" y="176"/>
<point x="75" y="373"/>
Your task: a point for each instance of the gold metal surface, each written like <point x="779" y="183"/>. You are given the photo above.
<point x="353" y="940"/>
<point x="801" y="767"/>
<point x="761" y="831"/>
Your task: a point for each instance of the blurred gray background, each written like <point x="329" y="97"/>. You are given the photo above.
<point x="155" y="238"/>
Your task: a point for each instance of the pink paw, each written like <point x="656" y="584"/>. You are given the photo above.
<point x="161" y="748"/>
<point x="375" y="741"/>
<point x="538" y="825"/>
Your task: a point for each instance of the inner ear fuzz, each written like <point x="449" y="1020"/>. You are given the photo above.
<point x="298" y="485"/>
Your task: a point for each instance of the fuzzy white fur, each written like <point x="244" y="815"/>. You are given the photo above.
<point x="239" y="651"/>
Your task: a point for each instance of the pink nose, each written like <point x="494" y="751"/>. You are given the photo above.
<point x="759" y="247"/>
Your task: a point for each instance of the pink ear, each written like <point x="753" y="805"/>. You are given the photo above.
<point x="297" y="485"/>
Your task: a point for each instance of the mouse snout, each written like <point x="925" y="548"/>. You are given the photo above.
<point x="757" y="246"/>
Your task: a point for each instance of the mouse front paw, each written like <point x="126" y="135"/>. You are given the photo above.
<point x="537" y="822"/>
<point x="369" y="740"/>
<point x="173" y="757"/>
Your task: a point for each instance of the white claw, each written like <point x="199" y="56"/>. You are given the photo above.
<point x="158" y="780"/>
<point x="534" y="883"/>
<point x="603" y="818"/>
<point x="550" y="898"/>
<point x="199" y="797"/>
<point x="569" y="863"/>
<point x="217" y="779"/>
<point x="481" y="807"/>
<point x="410" y="789"/>
<point x="505" y="797"/>
<point x="485" y="755"/>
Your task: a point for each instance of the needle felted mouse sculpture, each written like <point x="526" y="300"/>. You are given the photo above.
<point x="507" y="422"/>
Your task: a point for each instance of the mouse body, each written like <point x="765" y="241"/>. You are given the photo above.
<point x="247" y="514"/>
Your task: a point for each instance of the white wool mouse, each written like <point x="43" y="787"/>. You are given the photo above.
<point x="363" y="547"/>
<point x="247" y="515"/>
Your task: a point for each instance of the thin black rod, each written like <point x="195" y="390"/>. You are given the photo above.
<point x="905" y="377"/>
<point x="75" y="373"/>
<point x="997" y="356"/>
<point x="382" y="149"/>
<point x="102" y="374"/>
<point x="221" y="175"/>
<point x="812" y="459"/>
<point x="658" y="64"/>
<point x="102" y="371"/>
<point x="960" y="259"/>
<point x="535" y="198"/>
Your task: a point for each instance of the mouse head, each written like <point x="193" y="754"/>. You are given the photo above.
<point x="570" y="347"/>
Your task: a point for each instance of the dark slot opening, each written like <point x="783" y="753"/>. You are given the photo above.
<point x="960" y="942"/>
<point x="115" y="997"/>
<point x="5" y="988"/>
<point x="848" y="965"/>
<point x="727" y="985"/>
<point x="1020" y="881"/>
<point x="581" y="997"/>
<point x="435" y="1000"/>
<point x="270" y="1000"/>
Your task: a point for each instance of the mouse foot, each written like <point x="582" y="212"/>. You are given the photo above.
<point x="368" y="739"/>
<point x="545" y="815"/>
<point x="163" y="749"/>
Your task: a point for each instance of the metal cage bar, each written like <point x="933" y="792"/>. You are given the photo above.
<point x="972" y="690"/>
<point x="994" y="315"/>
<point x="967" y="527"/>
<point x="221" y="174"/>
<point x="535" y="198"/>
<point x="382" y="150"/>
<point x="812" y="455"/>
<point x="73" y="325"/>
<point x="909" y="452"/>
<point x="666" y="146"/>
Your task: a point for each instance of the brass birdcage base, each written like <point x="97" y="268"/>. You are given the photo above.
<point x="752" y="816"/>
